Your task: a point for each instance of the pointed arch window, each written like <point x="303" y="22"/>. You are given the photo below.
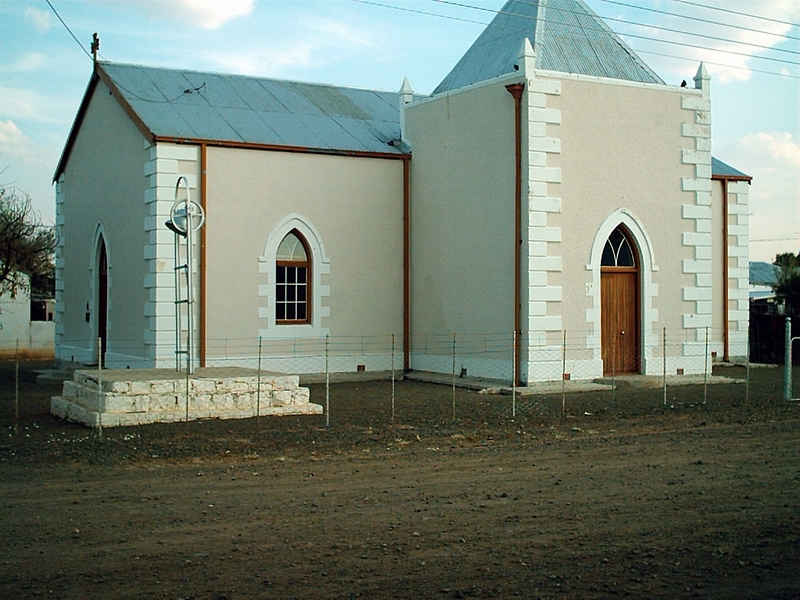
<point x="619" y="250"/>
<point x="293" y="281"/>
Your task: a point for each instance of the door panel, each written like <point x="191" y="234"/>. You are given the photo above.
<point x="102" y="301"/>
<point x="620" y="321"/>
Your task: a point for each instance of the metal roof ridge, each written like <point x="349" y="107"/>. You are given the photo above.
<point x="229" y="74"/>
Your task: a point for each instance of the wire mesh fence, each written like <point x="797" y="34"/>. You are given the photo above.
<point x="461" y="377"/>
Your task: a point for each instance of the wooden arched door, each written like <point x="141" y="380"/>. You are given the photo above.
<point x="619" y="274"/>
<point x="102" y="298"/>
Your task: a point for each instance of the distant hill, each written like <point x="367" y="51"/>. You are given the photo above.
<point x="763" y="273"/>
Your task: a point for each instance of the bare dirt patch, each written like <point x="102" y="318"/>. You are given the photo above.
<point x="632" y="499"/>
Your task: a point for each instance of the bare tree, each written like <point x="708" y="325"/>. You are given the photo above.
<point x="26" y="244"/>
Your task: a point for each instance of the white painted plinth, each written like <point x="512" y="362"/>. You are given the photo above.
<point x="136" y="397"/>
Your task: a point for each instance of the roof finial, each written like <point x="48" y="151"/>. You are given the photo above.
<point x="702" y="80"/>
<point x="527" y="58"/>
<point x="95" y="46"/>
<point x="406" y="97"/>
<point x="406" y="92"/>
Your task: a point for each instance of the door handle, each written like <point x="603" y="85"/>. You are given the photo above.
<point x="622" y="332"/>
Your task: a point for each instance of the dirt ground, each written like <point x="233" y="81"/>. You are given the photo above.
<point x="624" y="497"/>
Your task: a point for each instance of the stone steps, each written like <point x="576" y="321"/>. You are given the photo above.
<point x="136" y="401"/>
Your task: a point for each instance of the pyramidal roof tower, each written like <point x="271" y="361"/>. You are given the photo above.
<point x="566" y="35"/>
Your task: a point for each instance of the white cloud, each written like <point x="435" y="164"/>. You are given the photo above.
<point x="31" y="61"/>
<point x="341" y="32"/>
<point x="19" y="103"/>
<point x="323" y="42"/>
<point x="208" y="14"/>
<point x="12" y="141"/>
<point x="267" y="61"/>
<point x="40" y="19"/>
<point x="773" y="159"/>
<point x="27" y="165"/>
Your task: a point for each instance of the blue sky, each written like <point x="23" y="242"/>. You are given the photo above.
<point x="43" y="73"/>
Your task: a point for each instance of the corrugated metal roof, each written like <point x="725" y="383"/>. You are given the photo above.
<point x="725" y="170"/>
<point x="236" y="108"/>
<point x="566" y="35"/>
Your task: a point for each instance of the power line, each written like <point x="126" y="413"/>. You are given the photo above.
<point x="632" y="35"/>
<point x="736" y="12"/>
<point x="718" y="64"/>
<point x="662" y="54"/>
<point x="700" y="19"/>
<point x="165" y="100"/>
<point x="55" y="12"/>
<point x="679" y="31"/>
<point x="420" y="12"/>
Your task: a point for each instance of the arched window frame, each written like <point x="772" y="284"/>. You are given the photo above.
<point x="283" y="271"/>
<point x="98" y="237"/>
<point x="615" y="253"/>
<point x="266" y="288"/>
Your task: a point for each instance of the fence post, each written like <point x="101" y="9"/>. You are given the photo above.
<point x="614" y="369"/>
<point x="787" y="363"/>
<point x="705" y="370"/>
<point x="664" y="361"/>
<point x="393" y="341"/>
<point x="747" y="377"/>
<point x="188" y="372"/>
<point x="327" y="387"/>
<point x="514" y="377"/>
<point x="564" y="378"/>
<point x="454" y="377"/>
<point x="16" y="390"/>
<point x="100" y="388"/>
<point x="258" y="384"/>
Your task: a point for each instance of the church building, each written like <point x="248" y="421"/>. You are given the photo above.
<point x="551" y="183"/>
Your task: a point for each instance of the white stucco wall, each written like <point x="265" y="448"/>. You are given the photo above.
<point x="621" y="156"/>
<point x="462" y="230"/>
<point x="17" y="331"/>
<point x="350" y="210"/>
<point x="738" y="268"/>
<point x="15" y="315"/>
<point x="102" y="190"/>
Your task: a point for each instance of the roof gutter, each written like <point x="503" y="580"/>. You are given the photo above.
<point x="406" y="264"/>
<point x="725" y="332"/>
<point x="282" y="148"/>
<point x="203" y="333"/>
<point x="515" y="89"/>
<point x="718" y="177"/>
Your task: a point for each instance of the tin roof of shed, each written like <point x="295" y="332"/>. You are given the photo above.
<point x="566" y="35"/>
<point x="725" y="171"/>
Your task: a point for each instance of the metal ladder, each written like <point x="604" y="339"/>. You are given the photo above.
<point x="186" y="272"/>
<point x="183" y="271"/>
